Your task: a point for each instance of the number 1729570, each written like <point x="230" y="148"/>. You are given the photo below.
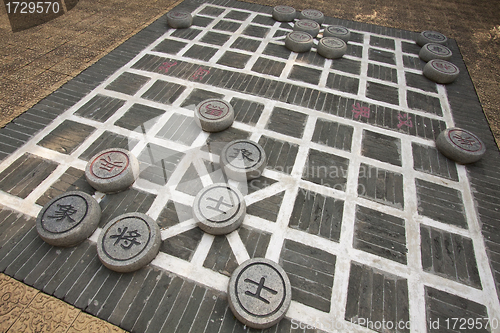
<point x="38" y="7"/>
<point x="471" y="323"/>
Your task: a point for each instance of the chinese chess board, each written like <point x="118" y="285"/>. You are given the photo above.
<point x="356" y="204"/>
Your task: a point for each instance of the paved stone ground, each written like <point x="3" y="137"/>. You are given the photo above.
<point x="25" y="309"/>
<point x="369" y="221"/>
<point x="36" y="61"/>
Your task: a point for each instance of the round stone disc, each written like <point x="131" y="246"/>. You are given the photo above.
<point x="309" y="26"/>
<point x="243" y="160"/>
<point x="112" y="170"/>
<point x="431" y="37"/>
<point x="332" y="47"/>
<point x="284" y="13"/>
<point x="299" y="41"/>
<point x="259" y="293"/>
<point x="68" y="219"/>
<point x="219" y="209"/>
<point x="441" y="71"/>
<point x="129" y="242"/>
<point x="434" y="51"/>
<point x="460" y="145"/>
<point x="312" y="14"/>
<point x="214" y="115"/>
<point x="179" y="19"/>
<point x="337" y="31"/>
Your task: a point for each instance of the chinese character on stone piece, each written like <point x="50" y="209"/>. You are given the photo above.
<point x="465" y="140"/>
<point x="404" y="119"/>
<point x="245" y="154"/>
<point x="127" y="240"/>
<point x="434" y="36"/>
<point x="200" y="73"/>
<point x="443" y="66"/>
<point x="360" y="111"/>
<point x="108" y="165"/>
<point x="178" y="14"/>
<point x="260" y="286"/>
<point x="214" y="110"/>
<point x="219" y="203"/>
<point x="165" y="67"/>
<point x="65" y="211"/>
<point x="437" y="49"/>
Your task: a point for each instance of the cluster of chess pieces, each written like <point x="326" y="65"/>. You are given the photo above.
<point x="259" y="291"/>
<point x="462" y="146"/>
<point x="218" y="209"/>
